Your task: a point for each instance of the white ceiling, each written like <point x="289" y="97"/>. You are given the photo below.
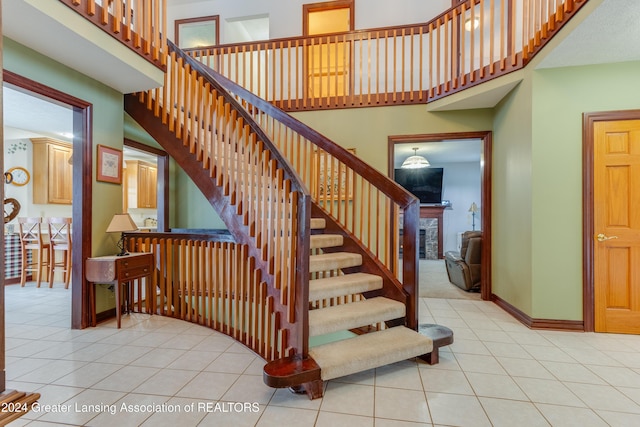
<point x="441" y="152"/>
<point x="611" y="33"/>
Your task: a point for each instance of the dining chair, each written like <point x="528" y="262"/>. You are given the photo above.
<point x="31" y="239"/>
<point x="60" y="240"/>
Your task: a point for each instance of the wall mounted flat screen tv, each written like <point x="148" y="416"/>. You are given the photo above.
<point x="424" y="183"/>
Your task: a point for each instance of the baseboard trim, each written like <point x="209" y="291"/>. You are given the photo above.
<point x="104" y="315"/>
<point x="555" y="324"/>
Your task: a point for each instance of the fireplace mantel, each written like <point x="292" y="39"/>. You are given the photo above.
<point x="435" y="211"/>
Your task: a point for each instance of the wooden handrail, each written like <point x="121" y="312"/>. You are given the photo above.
<point x="139" y="24"/>
<point x="473" y="42"/>
<point x="259" y="195"/>
<point x="364" y="201"/>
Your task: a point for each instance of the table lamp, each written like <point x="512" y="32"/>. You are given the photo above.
<point x="120" y="223"/>
<point x="473" y="209"/>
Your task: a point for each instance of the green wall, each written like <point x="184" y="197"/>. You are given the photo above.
<point x="537" y="183"/>
<point x="367" y="129"/>
<point x="512" y="199"/>
<point x="560" y="98"/>
<point x="107" y="129"/>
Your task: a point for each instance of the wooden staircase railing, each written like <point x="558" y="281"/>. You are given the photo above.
<point x="139" y="24"/>
<point x="257" y="193"/>
<point x="211" y="280"/>
<point x="347" y="191"/>
<point x="471" y="43"/>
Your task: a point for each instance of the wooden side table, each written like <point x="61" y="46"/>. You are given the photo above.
<point x="118" y="271"/>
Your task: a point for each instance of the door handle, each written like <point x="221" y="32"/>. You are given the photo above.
<point x="602" y="237"/>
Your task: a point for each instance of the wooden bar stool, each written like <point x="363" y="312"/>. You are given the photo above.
<point x="60" y="240"/>
<point x="31" y="239"/>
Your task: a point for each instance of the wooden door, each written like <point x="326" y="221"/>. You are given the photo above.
<point x="617" y="226"/>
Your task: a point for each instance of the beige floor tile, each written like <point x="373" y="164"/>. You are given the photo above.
<point x="249" y="388"/>
<point x="548" y="391"/>
<point x="167" y="382"/>
<point x="479" y="363"/>
<point x="84" y="406"/>
<point x="217" y="417"/>
<point x="498" y="386"/>
<point x="124" y="355"/>
<point x="158" y="358"/>
<point x="347" y="398"/>
<point x="568" y="416"/>
<point x="88" y="375"/>
<point x="507" y="350"/>
<point x="284" y="397"/>
<point x="51" y="371"/>
<point x="524" y="368"/>
<point x="332" y="419"/>
<point x="178" y="415"/>
<point x="126" y="379"/>
<point x="464" y="346"/>
<point x="403" y="405"/>
<point x="493" y="336"/>
<point x="208" y="385"/>
<point x="402" y="375"/>
<point x="603" y="397"/>
<point x="572" y="372"/>
<point x="444" y="381"/>
<point x="551" y="354"/>
<point x="194" y="360"/>
<point x="278" y="416"/>
<point x="446" y="361"/>
<point x="456" y="410"/>
<point x="129" y="415"/>
<point x="233" y="363"/>
<point x="616" y="376"/>
<point x="509" y="413"/>
<point x="382" y="422"/>
<point x="619" y="419"/>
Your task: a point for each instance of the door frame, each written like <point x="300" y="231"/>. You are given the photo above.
<point x="485" y="189"/>
<point x="82" y="188"/>
<point x="588" y="245"/>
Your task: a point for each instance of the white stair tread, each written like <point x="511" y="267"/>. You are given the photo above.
<point x="353" y="315"/>
<point x="334" y="261"/>
<point x="326" y="240"/>
<point x="368" y="351"/>
<point x="347" y="284"/>
<point x="318" y="223"/>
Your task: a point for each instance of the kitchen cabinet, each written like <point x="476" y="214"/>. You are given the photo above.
<point x="52" y="172"/>
<point x="141" y="185"/>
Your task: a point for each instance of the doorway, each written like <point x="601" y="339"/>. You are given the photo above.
<point x="611" y="173"/>
<point x="81" y="189"/>
<point x="485" y="187"/>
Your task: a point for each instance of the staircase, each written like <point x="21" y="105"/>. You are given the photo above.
<point x="325" y="272"/>
<point x="364" y="351"/>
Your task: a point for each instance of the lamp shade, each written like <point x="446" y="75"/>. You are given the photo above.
<point x="121" y="223"/>
<point x="415" y="161"/>
<point x="473" y="208"/>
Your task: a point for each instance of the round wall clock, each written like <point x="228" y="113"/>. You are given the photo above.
<point x="20" y="176"/>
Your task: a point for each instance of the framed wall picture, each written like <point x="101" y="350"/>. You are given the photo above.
<point x="197" y="32"/>
<point x="332" y="179"/>
<point x="109" y="165"/>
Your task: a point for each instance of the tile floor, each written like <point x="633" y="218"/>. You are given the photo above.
<point x="497" y="373"/>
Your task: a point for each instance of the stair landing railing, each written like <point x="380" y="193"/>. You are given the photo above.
<point x="475" y="41"/>
<point x="139" y="24"/>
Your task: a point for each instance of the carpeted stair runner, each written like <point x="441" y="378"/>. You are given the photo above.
<point x="364" y="351"/>
<point x="368" y="351"/>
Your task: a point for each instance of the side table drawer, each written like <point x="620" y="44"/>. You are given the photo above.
<point x="134" y="272"/>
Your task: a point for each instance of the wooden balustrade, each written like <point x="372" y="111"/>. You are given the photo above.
<point x="473" y="42"/>
<point x="260" y="190"/>
<point x="214" y="282"/>
<point x="362" y="200"/>
<point x="139" y="24"/>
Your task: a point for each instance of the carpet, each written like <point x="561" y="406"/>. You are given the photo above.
<point x="434" y="282"/>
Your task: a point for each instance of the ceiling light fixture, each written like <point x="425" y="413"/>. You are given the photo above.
<point x="415" y="161"/>
<point x="468" y="23"/>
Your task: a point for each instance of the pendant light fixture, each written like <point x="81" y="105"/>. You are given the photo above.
<point x="415" y="161"/>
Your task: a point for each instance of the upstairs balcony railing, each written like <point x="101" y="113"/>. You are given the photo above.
<point x="139" y="24"/>
<point x="472" y="42"/>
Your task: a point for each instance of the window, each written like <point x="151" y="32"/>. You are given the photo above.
<point x="197" y="32"/>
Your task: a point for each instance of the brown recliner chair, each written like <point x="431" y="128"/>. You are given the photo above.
<point x="463" y="268"/>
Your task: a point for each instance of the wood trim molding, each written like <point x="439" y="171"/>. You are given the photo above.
<point x="485" y="184"/>
<point x="588" y="122"/>
<point x="82" y="188"/>
<point x="532" y="323"/>
<point x="327" y="5"/>
<point x="178" y="22"/>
